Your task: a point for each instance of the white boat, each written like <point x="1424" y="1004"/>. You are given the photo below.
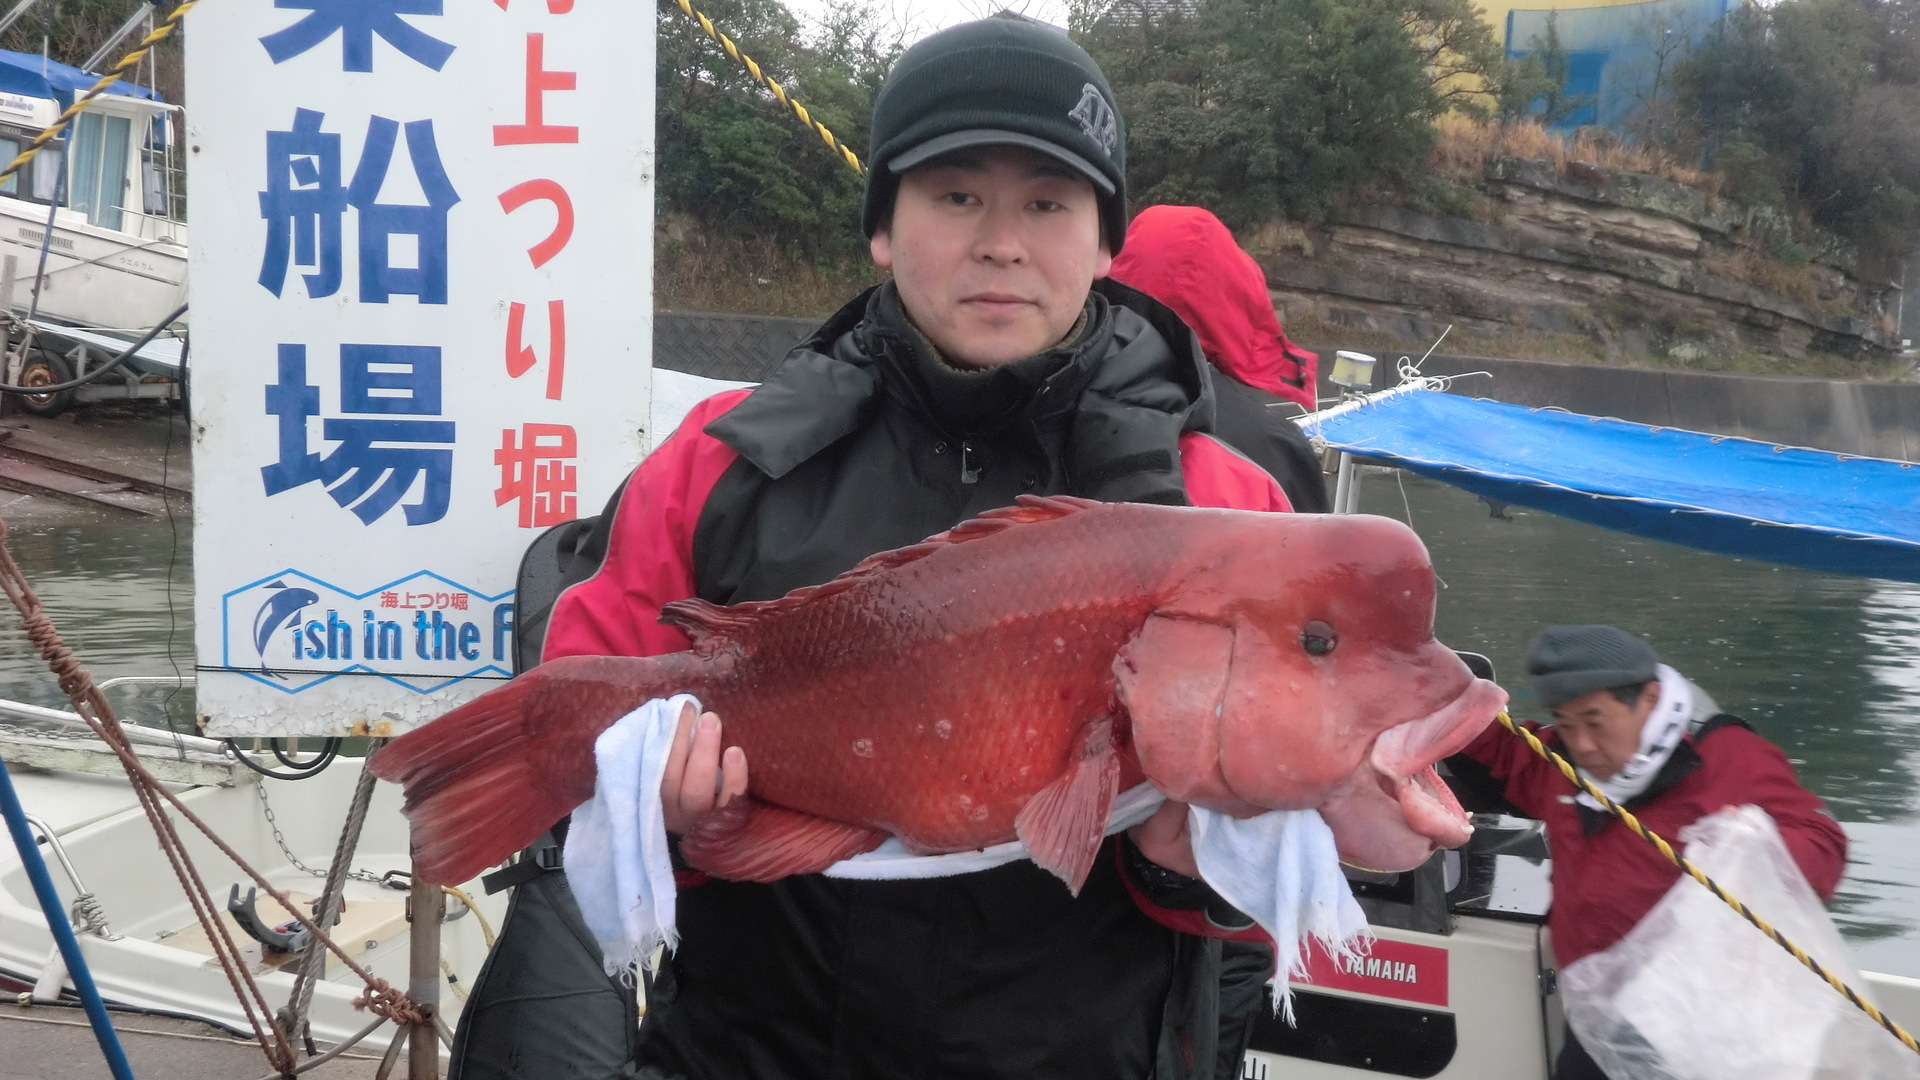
<point x="92" y="231"/>
<point x="145" y="949"/>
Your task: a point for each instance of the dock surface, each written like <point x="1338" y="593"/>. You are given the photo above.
<point x="54" y="1043"/>
<point x="132" y="459"/>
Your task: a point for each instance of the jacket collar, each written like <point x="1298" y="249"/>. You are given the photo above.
<point x="1682" y="763"/>
<point x="1134" y="378"/>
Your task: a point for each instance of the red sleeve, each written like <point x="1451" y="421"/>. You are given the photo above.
<point x="649" y="559"/>
<point x="1184" y="920"/>
<point x="1758" y="772"/>
<point x="1217" y="475"/>
<point x="1530" y="782"/>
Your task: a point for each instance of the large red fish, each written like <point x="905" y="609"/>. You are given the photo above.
<point x="1005" y="679"/>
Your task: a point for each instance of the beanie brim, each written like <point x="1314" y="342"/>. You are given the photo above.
<point x="964" y="140"/>
<point x="1561" y="687"/>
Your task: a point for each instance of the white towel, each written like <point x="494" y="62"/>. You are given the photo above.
<point x="616" y="857"/>
<point x="1282" y="870"/>
<point x="892" y="860"/>
<point x="1280" y="867"/>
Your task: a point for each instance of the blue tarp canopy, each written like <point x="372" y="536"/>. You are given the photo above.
<point x="36" y="76"/>
<point x="1806" y="508"/>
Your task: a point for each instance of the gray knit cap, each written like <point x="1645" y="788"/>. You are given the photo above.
<point x="1568" y="661"/>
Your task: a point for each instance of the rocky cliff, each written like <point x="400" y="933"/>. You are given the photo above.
<point x="1584" y="264"/>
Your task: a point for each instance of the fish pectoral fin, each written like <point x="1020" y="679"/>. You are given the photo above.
<point x="1064" y="823"/>
<point x="749" y="840"/>
<point x="1172" y="678"/>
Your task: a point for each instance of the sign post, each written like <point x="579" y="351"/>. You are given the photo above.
<point x="421" y="296"/>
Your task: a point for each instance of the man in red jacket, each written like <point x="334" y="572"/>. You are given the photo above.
<point x="1658" y="745"/>
<point x="995" y="362"/>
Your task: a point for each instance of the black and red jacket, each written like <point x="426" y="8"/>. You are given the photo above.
<point x="861" y="442"/>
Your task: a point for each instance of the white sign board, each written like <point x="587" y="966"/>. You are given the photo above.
<point x="421" y="293"/>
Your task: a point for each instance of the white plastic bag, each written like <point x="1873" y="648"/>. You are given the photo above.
<point x="1695" y="992"/>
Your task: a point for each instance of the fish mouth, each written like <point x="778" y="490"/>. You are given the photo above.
<point x="1404" y="755"/>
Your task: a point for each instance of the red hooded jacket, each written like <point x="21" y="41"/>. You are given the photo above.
<point x="1185" y="258"/>
<point x="1606" y="879"/>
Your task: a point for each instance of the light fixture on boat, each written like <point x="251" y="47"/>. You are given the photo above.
<point x="1353" y="370"/>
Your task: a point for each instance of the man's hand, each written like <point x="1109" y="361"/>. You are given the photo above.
<point x="1162" y="838"/>
<point x="699" y="778"/>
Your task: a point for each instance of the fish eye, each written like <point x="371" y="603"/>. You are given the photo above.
<point x="1317" y="638"/>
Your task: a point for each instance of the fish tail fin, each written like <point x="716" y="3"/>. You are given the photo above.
<point x="488" y="778"/>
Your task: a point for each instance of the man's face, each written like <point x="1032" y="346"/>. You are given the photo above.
<point x="993" y="251"/>
<point x="1601" y="732"/>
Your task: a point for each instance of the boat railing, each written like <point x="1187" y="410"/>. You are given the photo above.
<point x="87" y="916"/>
<point x="135" y="732"/>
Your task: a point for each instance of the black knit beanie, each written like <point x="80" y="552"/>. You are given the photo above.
<point x="1568" y="661"/>
<point x="998" y="82"/>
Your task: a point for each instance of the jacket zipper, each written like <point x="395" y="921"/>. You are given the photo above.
<point x="969" y="469"/>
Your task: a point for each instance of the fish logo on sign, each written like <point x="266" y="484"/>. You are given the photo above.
<point x="282" y="605"/>
<point x="292" y="630"/>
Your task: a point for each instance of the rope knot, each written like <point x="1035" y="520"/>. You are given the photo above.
<point x="381" y="999"/>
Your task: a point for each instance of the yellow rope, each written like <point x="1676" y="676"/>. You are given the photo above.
<point x="772" y="86"/>
<point x="486" y="928"/>
<point x="1633" y="823"/>
<point x="139" y="53"/>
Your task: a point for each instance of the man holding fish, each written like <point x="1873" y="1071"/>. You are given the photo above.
<point x="1007" y="701"/>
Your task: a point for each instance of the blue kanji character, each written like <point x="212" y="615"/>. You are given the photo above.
<point x="303" y="205"/>
<point x="358" y="466"/>
<point x="379" y="279"/>
<point x="293" y="401"/>
<point x="357" y="21"/>
<point x="359" y="475"/>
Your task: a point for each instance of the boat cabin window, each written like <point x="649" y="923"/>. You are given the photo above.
<point x="36" y="180"/>
<point x="153" y="186"/>
<point x="46" y="169"/>
<point x="100" y="145"/>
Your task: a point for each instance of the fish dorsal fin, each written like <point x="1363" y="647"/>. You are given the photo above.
<point x="700" y="618"/>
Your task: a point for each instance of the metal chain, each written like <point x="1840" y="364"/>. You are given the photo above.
<point x="279" y="839"/>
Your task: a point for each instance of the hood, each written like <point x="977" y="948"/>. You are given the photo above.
<point x="1185" y="258"/>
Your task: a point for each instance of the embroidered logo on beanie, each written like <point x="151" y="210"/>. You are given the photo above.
<point x="1097" y="118"/>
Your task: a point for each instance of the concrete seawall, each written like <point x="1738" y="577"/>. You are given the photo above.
<point x="1870" y="419"/>
<point x="1877" y="419"/>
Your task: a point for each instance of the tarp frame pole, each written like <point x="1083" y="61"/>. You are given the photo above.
<point x="1346" y="485"/>
<point x="13" y="16"/>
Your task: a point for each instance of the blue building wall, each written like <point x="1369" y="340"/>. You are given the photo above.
<point x="1615" y="52"/>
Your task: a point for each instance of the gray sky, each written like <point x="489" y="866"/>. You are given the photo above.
<point x="923" y="17"/>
